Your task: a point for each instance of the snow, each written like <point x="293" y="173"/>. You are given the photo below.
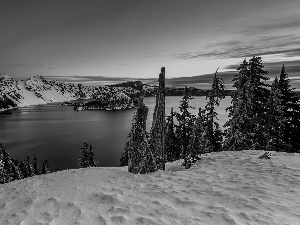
<point x="222" y="188"/>
<point x="37" y="90"/>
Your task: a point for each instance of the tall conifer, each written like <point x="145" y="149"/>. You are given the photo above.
<point x="140" y="157"/>
<point x="247" y="114"/>
<point x="185" y="128"/>
<point x="275" y="119"/>
<point x="214" y="134"/>
<point x="291" y="108"/>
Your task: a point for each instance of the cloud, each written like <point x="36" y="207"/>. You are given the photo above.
<point x="271" y="27"/>
<point x="268" y="45"/>
<point x="252" y="40"/>
<point x="201" y="81"/>
<point x="204" y="81"/>
<point x="291" y="67"/>
<point x="28" y="66"/>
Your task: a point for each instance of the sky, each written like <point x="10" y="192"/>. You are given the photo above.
<point x="107" y="41"/>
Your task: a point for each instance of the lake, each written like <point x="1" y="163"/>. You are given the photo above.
<point x="56" y="132"/>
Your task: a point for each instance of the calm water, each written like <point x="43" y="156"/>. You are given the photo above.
<point x="56" y="132"/>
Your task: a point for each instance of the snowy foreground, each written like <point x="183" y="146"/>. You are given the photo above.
<point x="222" y="188"/>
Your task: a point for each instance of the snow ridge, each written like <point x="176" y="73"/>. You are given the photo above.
<point x="37" y="90"/>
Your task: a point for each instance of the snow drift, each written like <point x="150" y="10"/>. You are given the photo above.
<point x="222" y="188"/>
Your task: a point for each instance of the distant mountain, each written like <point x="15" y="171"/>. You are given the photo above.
<point x="38" y="90"/>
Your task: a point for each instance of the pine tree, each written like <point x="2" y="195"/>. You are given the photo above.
<point x="145" y="160"/>
<point x="124" y="158"/>
<point x="247" y="114"/>
<point x="29" y="167"/>
<point x="140" y="157"/>
<point x="35" y="165"/>
<point x="86" y="158"/>
<point x="198" y="140"/>
<point x="22" y="169"/>
<point x="45" y="167"/>
<point x="8" y="170"/>
<point x="214" y="134"/>
<point x="291" y="108"/>
<point x="172" y="147"/>
<point x="275" y="119"/>
<point x="185" y="128"/>
<point x="92" y="162"/>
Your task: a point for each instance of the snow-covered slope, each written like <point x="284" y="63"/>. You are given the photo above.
<point x="223" y="188"/>
<point x="37" y="90"/>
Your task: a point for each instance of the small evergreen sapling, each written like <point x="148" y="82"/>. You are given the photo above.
<point x="86" y="158"/>
<point x="198" y="139"/>
<point x="45" y="167"/>
<point x="35" y="165"/>
<point x="172" y="148"/>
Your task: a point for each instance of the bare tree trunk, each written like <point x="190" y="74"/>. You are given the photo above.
<point x="158" y="125"/>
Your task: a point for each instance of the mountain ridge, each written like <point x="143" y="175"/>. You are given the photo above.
<point x="37" y="90"/>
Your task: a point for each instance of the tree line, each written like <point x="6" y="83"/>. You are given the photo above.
<point x="261" y="116"/>
<point x="13" y="169"/>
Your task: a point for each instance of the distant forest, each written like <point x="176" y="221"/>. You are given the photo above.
<point x="174" y="91"/>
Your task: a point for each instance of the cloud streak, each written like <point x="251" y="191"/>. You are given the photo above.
<point x="268" y="45"/>
<point x="28" y="66"/>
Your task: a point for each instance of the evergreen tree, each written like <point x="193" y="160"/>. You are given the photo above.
<point x="23" y="170"/>
<point x="17" y="175"/>
<point x="86" y="158"/>
<point x="124" y="158"/>
<point x="35" y="165"/>
<point x="92" y="162"/>
<point x="172" y="147"/>
<point x="185" y="128"/>
<point x="214" y="134"/>
<point x="198" y="141"/>
<point x="275" y="119"/>
<point x="29" y="171"/>
<point x="145" y="162"/>
<point x="8" y="170"/>
<point x="291" y="108"/>
<point x="4" y="173"/>
<point x="247" y="114"/>
<point x="45" y="167"/>
<point x="139" y="155"/>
